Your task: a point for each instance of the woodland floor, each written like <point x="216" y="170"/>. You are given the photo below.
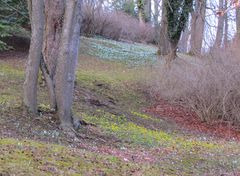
<point x="126" y="133"/>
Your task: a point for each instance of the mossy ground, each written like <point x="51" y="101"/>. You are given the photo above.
<point x="120" y="139"/>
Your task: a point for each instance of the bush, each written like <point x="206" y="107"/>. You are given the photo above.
<point x="209" y="86"/>
<point x="114" y="25"/>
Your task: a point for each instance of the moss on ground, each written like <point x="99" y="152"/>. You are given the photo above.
<point x="24" y="157"/>
<point x="114" y="82"/>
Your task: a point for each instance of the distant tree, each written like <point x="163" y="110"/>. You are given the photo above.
<point x="164" y="44"/>
<point x="238" y="21"/>
<point x="177" y="17"/>
<point x="54" y="47"/>
<point x="147" y="10"/>
<point x="220" y="27"/>
<point x="127" y="6"/>
<point x="140" y="7"/>
<point x="144" y="11"/>
<point x="197" y="26"/>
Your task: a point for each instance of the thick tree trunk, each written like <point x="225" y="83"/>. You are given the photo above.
<point x="172" y="53"/>
<point x="147" y="10"/>
<point x="51" y="44"/>
<point x="197" y="27"/>
<point x="183" y="43"/>
<point x="31" y="80"/>
<point x="164" y="44"/>
<point x="219" y="35"/>
<point x="65" y="73"/>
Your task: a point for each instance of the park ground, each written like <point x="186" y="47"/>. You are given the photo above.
<point x="124" y="130"/>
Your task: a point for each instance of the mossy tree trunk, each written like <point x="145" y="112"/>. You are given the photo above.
<point x="177" y="17"/>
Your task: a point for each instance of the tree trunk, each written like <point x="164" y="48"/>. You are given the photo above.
<point x="155" y="18"/>
<point x="197" y="27"/>
<point x="141" y="18"/>
<point x="164" y="44"/>
<point x="225" y="41"/>
<point x="147" y="10"/>
<point x="51" y="44"/>
<point x="31" y="79"/>
<point x="219" y="35"/>
<point x="238" y="22"/>
<point x="183" y="43"/>
<point x="54" y="47"/>
<point x="67" y="61"/>
<point x="172" y="53"/>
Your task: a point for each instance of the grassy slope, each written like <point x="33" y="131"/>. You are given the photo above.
<point x="109" y="95"/>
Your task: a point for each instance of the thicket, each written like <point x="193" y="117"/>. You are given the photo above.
<point x="209" y="86"/>
<point x="115" y="25"/>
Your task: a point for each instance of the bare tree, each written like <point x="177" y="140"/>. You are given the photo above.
<point x="155" y="18"/>
<point x="30" y="84"/>
<point x="147" y="10"/>
<point x="225" y="41"/>
<point x="238" y="21"/>
<point x="164" y="44"/>
<point x="197" y="26"/>
<point x="54" y="47"/>
<point x="219" y="35"/>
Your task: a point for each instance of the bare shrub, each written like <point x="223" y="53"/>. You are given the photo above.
<point x="114" y="25"/>
<point x="209" y="86"/>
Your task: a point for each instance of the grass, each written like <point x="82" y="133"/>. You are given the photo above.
<point x="104" y="75"/>
<point x="25" y="157"/>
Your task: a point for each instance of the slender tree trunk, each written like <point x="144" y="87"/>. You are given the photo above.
<point x="238" y="22"/>
<point x="164" y="44"/>
<point x="67" y="61"/>
<point x="31" y="80"/>
<point x="197" y="27"/>
<point x="219" y="35"/>
<point x="225" y="41"/>
<point x="141" y="18"/>
<point x="155" y="18"/>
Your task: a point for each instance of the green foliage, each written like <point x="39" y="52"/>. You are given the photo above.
<point x="13" y="15"/>
<point x="177" y="15"/>
<point x="128" y="6"/>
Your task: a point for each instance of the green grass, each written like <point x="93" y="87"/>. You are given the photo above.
<point x="106" y="63"/>
<point x="25" y="157"/>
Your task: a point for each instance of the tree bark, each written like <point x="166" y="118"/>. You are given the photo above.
<point x="197" y="27"/>
<point x="32" y="69"/>
<point x="238" y="22"/>
<point x="147" y="10"/>
<point x="67" y="61"/>
<point x="225" y="41"/>
<point x="155" y="18"/>
<point x="51" y="44"/>
<point x="219" y="35"/>
<point x="140" y="5"/>
<point x="183" y="43"/>
<point x="164" y="44"/>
